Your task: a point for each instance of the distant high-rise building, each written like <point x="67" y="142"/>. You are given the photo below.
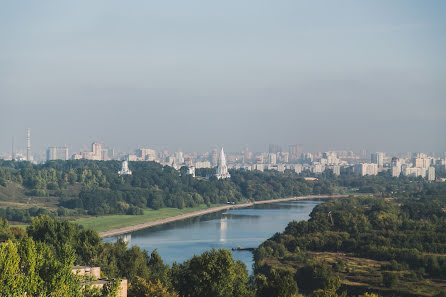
<point x="332" y="158"/>
<point x="337" y="170"/>
<point x="28" y="146"/>
<point x="307" y="158"/>
<point x="396" y="167"/>
<point x="295" y="151"/>
<point x="422" y="161"/>
<point x="57" y="153"/>
<point x="366" y="169"/>
<point x="272" y="158"/>
<point x="179" y="158"/>
<point x="274" y="148"/>
<point x="222" y="169"/>
<point x="363" y="154"/>
<point x="214" y="157"/>
<point x="146" y="154"/>
<point x="96" y="149"/>
<point x="431" y="174"/>
<point x="13" y="150"/>
<point x="378" y="158"/>
<point x="247" y="155"/>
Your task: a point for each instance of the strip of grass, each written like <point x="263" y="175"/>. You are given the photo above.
<point x="110" y="222"/>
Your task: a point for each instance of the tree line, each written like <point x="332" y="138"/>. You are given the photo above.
<point x="86" y="187"/>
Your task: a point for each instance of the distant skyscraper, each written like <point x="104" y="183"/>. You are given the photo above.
<point x="13" y="150"/>
<point x="214" y="157"/>
<point x="28" y="146"/>
<point x="274" y="148"/>
<point x="96" y="148"/>
<point x="295" y="151"/>
<point x="57" y="153"/>
<point x="222" y="169"/>
<point x="336" y="170"/>
<point x="431" y="174"/>
<point x="378" y="158"/>
<point x="247" y="155"/>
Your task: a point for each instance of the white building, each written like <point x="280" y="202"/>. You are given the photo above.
<point x="125" y="168"/>
<point x="396" y="171"/>
<point x="431" y="174"/>
<point x="191" y="171"/>
<point x="318" y="168"/>
<point x="203" y="164"/>
<point x="337" y="170"/>
<point x="222" y="169"/>
<point x="272" y="158"/>
<point x="414" y="171"/>
<point x="366" y="169"/>
<point x="378" y="158"/>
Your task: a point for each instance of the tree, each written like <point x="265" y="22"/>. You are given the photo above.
<point x="30" y="269"/>
<point x="279" y="283"/>
<point x="142" y="288"/>
<point x="11" y="278"/>
<point x="213" y="273"/>
<point x="157" y="270"/>
<point x="390" y="279"/>
<point x="134" y="263"/>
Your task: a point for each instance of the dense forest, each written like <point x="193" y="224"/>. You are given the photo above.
<point x="395" y="246"/>
<point x="85" y="187"/>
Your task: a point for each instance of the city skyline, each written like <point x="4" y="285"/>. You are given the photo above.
<point x="68" y="152"/>
<point x="345" y="75"/>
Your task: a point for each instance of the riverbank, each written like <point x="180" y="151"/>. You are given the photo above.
<point x="111" y="222"/>
<point x="128" y="229"/>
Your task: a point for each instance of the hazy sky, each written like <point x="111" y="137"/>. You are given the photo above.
<point x="195" y="74"/>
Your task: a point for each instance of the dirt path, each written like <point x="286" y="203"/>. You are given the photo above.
<point x="129" y="229"/>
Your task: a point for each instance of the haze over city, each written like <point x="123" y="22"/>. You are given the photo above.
<point x="195" y="75"/>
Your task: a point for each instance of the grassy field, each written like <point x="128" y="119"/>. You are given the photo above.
<point x="109" y="222"/>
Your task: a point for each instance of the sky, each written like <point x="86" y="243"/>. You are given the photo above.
<point x="193" y="75"/>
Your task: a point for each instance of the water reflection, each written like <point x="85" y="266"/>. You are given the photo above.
<point x="223" y="227"/>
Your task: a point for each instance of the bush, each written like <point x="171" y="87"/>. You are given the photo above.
<point x="390" y="279"/>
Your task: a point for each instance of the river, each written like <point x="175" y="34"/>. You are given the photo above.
<point x="244" y="227"/>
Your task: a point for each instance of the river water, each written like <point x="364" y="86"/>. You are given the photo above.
<point x="243" y="227"/>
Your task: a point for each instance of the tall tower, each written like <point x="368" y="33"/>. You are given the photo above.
<point x="222" y="169"/>
<point x="12" y="151"/>
<point x="28" y="146"/>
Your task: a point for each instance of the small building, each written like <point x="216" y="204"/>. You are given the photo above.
<point x="125" y="168"/>
<point x="92" y="277"/>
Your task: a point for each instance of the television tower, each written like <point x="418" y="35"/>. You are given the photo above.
<point x="13" y="152"/>
<point x="28" y="146"/>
